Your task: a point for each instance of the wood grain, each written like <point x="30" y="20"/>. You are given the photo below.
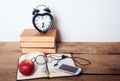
<point x="100" y="64"/>
<point x="84" y="78"/>
<point x="89" y="47"/>
<point x="69" y="47"/>
<point x="104" y="59"/>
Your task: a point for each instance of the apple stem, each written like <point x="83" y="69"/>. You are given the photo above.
<point x="33" y="59"/>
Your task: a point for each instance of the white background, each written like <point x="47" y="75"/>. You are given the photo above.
<point x="76" y="20"/>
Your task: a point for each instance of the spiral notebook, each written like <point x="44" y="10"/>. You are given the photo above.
<point x="47" y="69"/>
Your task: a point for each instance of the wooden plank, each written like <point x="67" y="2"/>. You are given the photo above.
<point x="12" y="77"/>
<point x="10" y="47"/>
<point x="8" y="65"/>
<point x="89" y="47"/>
<point x="10" y="74"/>
<point x="100" y="64"/>
<point x="83" y="78"/>
<point x="93" y="48"/>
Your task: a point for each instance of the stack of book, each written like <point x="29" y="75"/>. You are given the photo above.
<point x="31" y="41"/>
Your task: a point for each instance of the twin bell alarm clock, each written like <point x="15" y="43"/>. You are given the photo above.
<point x="42" y="19"/>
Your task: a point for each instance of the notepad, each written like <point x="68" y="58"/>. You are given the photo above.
<point x="47" y="69"/>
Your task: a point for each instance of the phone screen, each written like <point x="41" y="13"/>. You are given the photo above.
<point x="68" y="68"/>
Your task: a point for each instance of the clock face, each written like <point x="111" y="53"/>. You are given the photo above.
<point x="43" y="22"/>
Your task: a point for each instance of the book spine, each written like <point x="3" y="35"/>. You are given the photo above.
<point x="38" y="44"/>
<point x="37" y="39"/>
<point x="44" y="50"/>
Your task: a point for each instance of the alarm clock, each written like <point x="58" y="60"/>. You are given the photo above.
<point x="42" y="19"/>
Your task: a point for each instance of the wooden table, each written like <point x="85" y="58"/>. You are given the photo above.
<point x="104" y="57"/>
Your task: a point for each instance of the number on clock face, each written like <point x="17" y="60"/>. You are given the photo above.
<point x="43" y="22"/>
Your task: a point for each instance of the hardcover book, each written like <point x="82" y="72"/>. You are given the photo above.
<point x="34" y="35"/>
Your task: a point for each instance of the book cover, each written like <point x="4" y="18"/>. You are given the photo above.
<point x="34" y="35"/>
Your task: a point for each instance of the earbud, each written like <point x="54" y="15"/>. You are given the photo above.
<point x="55" y="64"/>
<point x="35" y="11"/>
<point x="62" y="57"/>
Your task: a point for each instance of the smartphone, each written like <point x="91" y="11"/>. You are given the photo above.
<point x="68" y="69"/>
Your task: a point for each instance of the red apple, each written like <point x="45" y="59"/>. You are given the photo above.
<point x="26" y="67"/>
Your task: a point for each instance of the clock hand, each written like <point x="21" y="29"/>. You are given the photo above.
<point x="42" y="25"/>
